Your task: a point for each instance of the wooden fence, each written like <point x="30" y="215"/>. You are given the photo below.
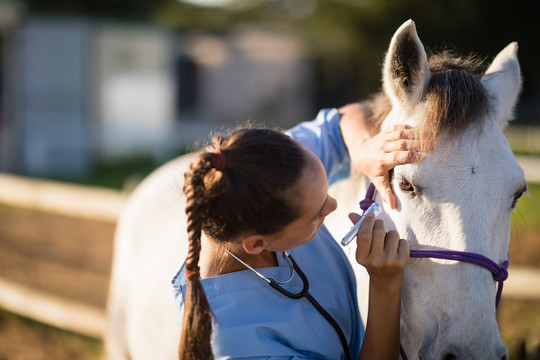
<point x="105" y="204"/>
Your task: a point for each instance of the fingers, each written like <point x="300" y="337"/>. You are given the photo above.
<point x="364" y="238"/>
<point x="404" y="251"/>
<point x="412" y="146"/>
<point x="370" y="238"/>
<point x="378" y="239"/>
<point x="377" y="249"/>
<point x="389" y="197"/>
<point x="382" y="184"/>
<point x="401" y="157"/>
<point x="403" y="151"/>
<point x="400" y="131"/>
<point x="396" y="145"/>
<point x="403" y="145"/>
<point x="392" y="242"/>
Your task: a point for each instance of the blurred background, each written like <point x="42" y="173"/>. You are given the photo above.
<point x="95" y="94"/>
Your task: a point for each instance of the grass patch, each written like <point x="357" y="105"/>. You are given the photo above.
<point x="115" y="173"/>
<point x="21" y="338"/>
<point x="122" y="172"/>
<point x="519" y="323"/>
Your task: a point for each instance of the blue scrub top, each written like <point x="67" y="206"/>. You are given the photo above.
<point x="253" y="320"/>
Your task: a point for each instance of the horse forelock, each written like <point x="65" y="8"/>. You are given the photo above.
<point x="454" y="98"/>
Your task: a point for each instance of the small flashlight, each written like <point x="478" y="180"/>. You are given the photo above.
<point x="375" y="209"/>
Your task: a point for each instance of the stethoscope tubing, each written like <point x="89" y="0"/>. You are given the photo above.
<point x="305" y="293"/>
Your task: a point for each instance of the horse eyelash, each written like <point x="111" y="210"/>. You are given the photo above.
<point x="518" y="195"/>
<point x="399" y="180"/>
<point x="402" y="181"/>
<point x="405" y="182"/>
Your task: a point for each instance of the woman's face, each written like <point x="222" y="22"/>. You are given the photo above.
<point x="315" y="203"/>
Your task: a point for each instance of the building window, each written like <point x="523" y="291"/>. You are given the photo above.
<point x="186" y="82"/>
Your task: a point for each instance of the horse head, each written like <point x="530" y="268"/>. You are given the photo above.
<point x="460" y="197"/>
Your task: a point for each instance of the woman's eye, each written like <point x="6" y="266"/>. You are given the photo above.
<point x="405" y="185"/>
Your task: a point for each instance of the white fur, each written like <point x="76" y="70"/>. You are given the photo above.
<point x="150" y="246"/>
<point x="463" y="202"/>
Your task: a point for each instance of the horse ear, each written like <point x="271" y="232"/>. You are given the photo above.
<point x="502" y="81"/>
<point x="406" y="71"/>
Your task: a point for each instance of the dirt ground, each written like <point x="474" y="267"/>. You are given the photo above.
<point x="64" y="256"/>
<point x="71" y="258"/>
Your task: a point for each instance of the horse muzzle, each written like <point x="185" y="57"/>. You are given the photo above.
<point x="457" y="352"/>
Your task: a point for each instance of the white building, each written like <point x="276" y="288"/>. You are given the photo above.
<point x="75" y="91"/>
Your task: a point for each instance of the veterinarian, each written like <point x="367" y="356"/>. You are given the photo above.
<point x="263" y="277"/>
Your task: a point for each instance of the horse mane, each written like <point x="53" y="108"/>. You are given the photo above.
<point x="454" y="98"/>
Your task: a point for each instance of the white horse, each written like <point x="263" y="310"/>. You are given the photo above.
<point x="460" y="197"/>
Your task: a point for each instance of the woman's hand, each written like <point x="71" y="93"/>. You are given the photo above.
<point x="375" y="154"/>
<point x="383" y="254"/>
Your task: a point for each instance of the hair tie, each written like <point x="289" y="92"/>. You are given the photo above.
<point x="220" y="159"/>
<point x="193" y="274"/>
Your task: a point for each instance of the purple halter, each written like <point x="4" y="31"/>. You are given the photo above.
<point x="499" y="272"/>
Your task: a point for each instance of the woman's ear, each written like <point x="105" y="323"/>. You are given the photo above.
<point x="253" y="244"/>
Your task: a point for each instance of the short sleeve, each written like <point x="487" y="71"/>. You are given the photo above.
<point x="322" y="136"/>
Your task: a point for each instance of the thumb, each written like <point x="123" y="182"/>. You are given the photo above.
<point x="354" y="217"/>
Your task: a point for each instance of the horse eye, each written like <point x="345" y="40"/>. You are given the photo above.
<point x="405" y="185"/>
<point x="518" y="195"/>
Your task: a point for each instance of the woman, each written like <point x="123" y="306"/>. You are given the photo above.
<point x="256" y="202"/>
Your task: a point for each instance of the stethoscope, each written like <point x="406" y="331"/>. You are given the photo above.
<point x="303" y="293"/>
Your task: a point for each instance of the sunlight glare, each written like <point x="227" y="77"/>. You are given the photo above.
<point x="207" y="3"/>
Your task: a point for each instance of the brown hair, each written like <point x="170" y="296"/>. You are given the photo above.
<point x="248" y="192"/>
<point x="455" y="98"/>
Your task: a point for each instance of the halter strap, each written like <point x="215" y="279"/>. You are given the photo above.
<point x="369" y="199"/>
<point x="499" y="272"/>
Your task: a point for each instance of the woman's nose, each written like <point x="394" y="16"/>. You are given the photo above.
<point x="332" y="204"/>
